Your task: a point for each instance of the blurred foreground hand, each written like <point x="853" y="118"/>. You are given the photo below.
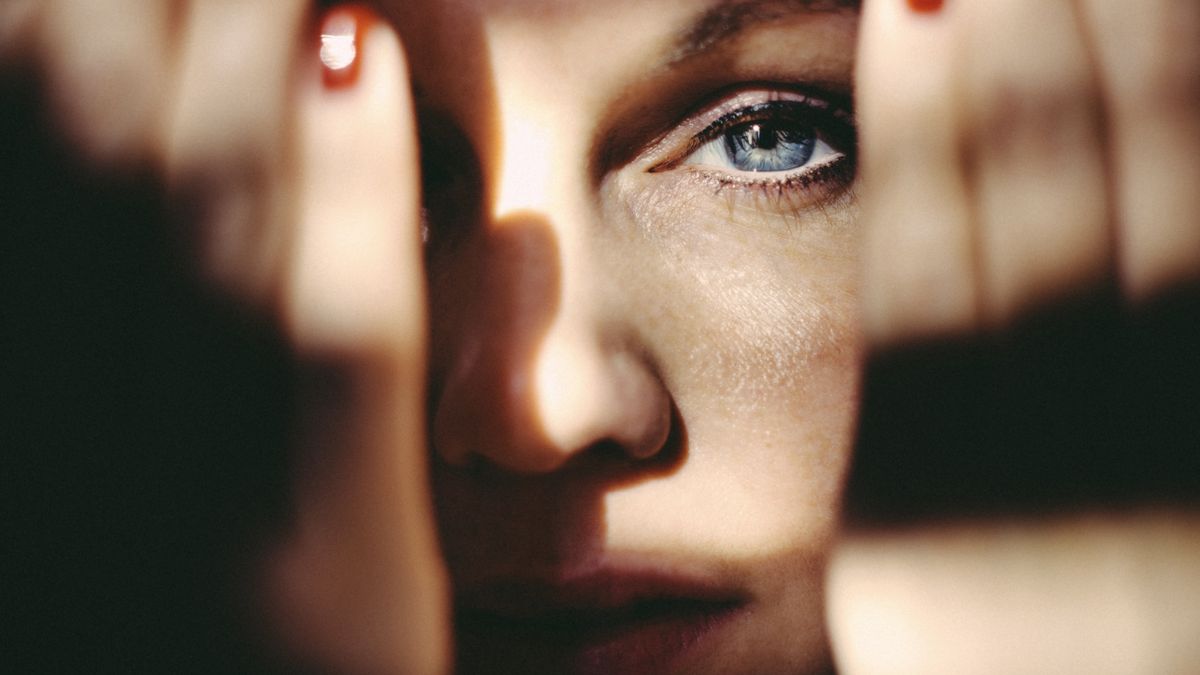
<point x="195" y="92"/>
<point x="1027" y="473"/>
<point x="300" y="201"/>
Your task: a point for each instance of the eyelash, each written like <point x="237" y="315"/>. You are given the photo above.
<point x="831" y="122"/>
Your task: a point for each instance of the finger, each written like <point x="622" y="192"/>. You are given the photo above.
<point x="918" y="249"/>
<point x="108" y="64"/>
<point x="1034" y="139"/>
<point x="1098" y="593"/>
<point x="369" y="586"/>
<point x="223" y="140"/>
<point x="1149" y="64"/>
<point x="18" y="27"/>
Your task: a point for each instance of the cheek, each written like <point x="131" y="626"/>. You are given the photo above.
<point x="752" y="321"/>
<point x="745" y="305"/>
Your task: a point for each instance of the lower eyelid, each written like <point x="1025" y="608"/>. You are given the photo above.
<point x="783" y="192"/>
<point x="837" y="168"/>
<point x="703" y="194"/>
<point x="791" y="176"/>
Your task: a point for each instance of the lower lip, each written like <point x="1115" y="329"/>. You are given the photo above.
<point x="655" y="643"/>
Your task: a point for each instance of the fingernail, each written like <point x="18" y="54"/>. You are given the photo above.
<point x="343" y="29"/>
<point x="925" y="6"/>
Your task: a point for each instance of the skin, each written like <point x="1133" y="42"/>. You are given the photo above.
<point x="584" y="306"/>
<point x="216" y="131"/>
<point x="581" y="320"/>
<point x="968" y="235"/>
<point x="1046" y="151"/>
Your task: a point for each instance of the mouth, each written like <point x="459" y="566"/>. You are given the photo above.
<point x="606" y="622"/>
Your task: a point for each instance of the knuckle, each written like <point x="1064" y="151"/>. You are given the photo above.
<point x="1158" y="63"/>
<point x="18" y="25"/>
<point x="1169" y="80"/>
<point x="1026" y="69"/>
<point x="103" y="89"/>
<point x="1037" y="106"/>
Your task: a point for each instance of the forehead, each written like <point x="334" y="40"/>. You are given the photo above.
<point x="459" y="48"/>
<point x="693" y="23"/>
<point x="453" y="35"/>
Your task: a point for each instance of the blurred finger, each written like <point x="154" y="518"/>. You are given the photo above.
<point x="224" y="137"/>
<point x="366" y="587"/>
<point x="1149" y="66"/>
<point x="108" y="63"/>
<point x="18" y="28"/>
<point x="1070" y="594"/>
<point x="919" y="252"/>
<point x="1035" y="145"/>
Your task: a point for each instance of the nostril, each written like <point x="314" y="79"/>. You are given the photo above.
<point x="643" y="436"/>
<point x="660" y="450"/>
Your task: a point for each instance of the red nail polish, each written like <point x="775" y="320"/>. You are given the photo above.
<point x="925" y="6"/>
<point x="343" y="29"/>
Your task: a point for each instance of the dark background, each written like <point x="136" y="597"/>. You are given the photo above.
<point x="144" y="423"/>
<point x="1085" y="406"/>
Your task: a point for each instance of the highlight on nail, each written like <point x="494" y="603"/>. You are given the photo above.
<point x="342" y="30"/>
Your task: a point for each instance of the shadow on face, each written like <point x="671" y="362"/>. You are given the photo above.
<point x="643" y="371"/>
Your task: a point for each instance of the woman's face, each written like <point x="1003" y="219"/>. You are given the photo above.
<point x="641" y="256"/>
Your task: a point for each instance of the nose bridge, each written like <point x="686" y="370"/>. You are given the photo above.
<point x="533" y="382"/>
<point x="542" y="135"/>
<point x="525" y="168"/>
<point x="488" y="405"/>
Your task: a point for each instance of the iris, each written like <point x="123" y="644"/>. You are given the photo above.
<point x="768" y="145"/>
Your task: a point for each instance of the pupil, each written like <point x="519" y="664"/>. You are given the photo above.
<point x="769" y="145"/>
<point x="764" y="137"/>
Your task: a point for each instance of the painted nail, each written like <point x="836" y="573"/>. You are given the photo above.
<point x="925" y="6"/>
<point x="343" y="29"/>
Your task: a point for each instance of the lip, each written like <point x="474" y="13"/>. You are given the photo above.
<point x="607" y="621"/>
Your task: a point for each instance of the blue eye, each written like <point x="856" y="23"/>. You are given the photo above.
<point x="768" y="145"/>
<point x="771" y="137"/>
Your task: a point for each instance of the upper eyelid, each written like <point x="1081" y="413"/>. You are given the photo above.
<point x="705" y="115"/>
<point x="753" y="112"/>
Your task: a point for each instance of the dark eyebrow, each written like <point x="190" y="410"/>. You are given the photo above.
<point x="730" y="18"/>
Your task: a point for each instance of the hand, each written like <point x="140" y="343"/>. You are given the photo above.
<point x="1016" y="153"/>
<point x="360" y="586"/>
<point x="193" y="91"/>
<point x="1032" y="245"/>
<point x="304" y="201"/>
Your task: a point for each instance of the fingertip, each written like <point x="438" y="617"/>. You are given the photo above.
<point x="925" y="6"/>
<point x="342" y="30"/>
<point x="355" y="277"/>
<point x="918" y="261"/>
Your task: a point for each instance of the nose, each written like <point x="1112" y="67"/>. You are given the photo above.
<point x="535" y="375"/>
